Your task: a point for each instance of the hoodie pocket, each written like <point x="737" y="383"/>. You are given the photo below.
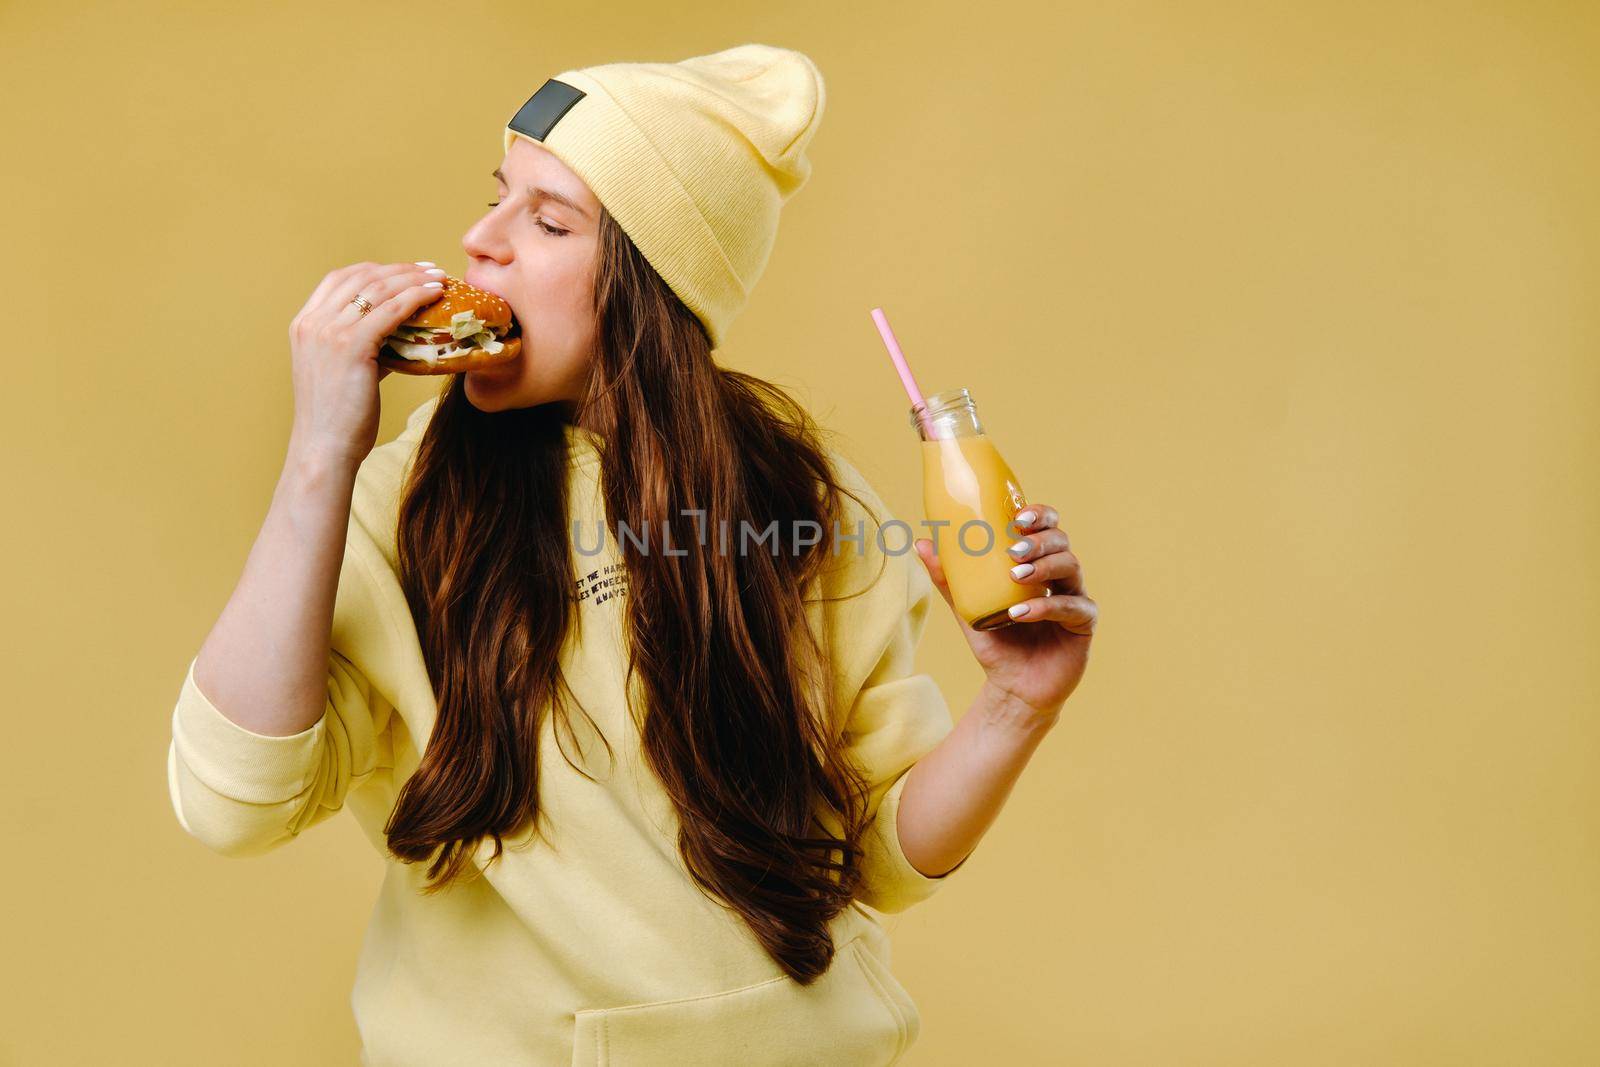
<point x="853" y="1015"/>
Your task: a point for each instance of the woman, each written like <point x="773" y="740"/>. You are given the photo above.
<point x="570" y="879"/>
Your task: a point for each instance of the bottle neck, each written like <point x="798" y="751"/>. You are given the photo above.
<point x="946" y="415"/>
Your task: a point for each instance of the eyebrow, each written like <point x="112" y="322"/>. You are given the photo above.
<point x="537" y="192"/>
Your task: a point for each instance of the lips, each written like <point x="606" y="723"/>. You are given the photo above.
<point x="479" y="284"/>
<point x="476" y="282"/>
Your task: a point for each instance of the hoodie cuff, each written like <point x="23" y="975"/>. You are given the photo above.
<point x="239" y="763"/>
<point x="908" y="885"/>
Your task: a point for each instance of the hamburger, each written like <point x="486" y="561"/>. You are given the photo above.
<point x="466" y="328"/>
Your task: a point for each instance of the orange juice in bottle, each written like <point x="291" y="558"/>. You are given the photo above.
<point x="967" y="485"/>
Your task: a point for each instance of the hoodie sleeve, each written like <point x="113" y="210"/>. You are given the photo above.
<point x="241" y="793"/>
<point x="896" y="715"/>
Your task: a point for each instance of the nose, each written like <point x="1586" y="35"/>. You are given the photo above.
<point x="486" y="238"/>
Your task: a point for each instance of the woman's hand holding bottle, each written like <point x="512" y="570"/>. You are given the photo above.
<point x="1035" y="667"/>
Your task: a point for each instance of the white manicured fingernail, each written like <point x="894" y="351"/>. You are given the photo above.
<point x="1026" y="518"/>
<point x="435" y="271"/>
<point x="1021" y="570"/>
<point x="1017" y="610"/>
<point x="425" y="263"/>
<point x="433" y="285"/>
<point x="1019" y="548"/>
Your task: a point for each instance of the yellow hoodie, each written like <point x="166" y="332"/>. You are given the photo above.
<point x="603" y="950"/>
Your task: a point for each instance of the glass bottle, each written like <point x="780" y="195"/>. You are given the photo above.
<point x="967" y="485"/>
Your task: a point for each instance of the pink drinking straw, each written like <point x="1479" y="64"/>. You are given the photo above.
<point x="899" y="358"/>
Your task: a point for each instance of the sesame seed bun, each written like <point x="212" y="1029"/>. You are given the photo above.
<point x="457" y="297"/>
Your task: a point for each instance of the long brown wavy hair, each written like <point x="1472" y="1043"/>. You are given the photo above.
<point x="738" y="698"/>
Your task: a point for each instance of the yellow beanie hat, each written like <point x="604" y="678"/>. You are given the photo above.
<point x="694" y="159"/>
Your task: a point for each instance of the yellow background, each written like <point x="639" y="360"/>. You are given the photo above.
<point x="1289" y="308"/>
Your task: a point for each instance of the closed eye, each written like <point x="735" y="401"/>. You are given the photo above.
<point x="551" y="230"/>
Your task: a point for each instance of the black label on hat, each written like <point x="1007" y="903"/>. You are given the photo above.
<point x="544" y="109"/>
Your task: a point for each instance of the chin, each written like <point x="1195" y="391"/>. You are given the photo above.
<point x="489" y="396"/>
<point x="490" y="392"/>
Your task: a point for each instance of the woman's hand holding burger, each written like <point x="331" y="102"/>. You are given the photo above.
<point x="265" y="662"/>
<point x="335" y="353"/>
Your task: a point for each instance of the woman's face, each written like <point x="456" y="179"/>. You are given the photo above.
<point x="539" y="254"/>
